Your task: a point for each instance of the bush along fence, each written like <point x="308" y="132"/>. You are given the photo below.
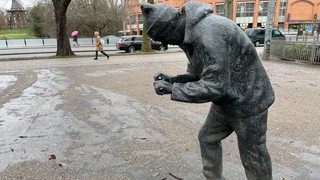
<point x="308" y="52"/>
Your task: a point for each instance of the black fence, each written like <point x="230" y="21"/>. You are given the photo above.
<point x="30" y="42"/>
<point x="303" y="51"/>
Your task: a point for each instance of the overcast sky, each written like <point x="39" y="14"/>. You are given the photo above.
<point x="6" y="4"/>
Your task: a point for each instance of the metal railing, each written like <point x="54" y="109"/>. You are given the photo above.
<point x="302" y="38"/>
<point x="5" y="43"/>
<point x="30" y="42"/>
<point x="308" y="52"/>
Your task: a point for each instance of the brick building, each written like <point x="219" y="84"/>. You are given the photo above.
<point x="293" y="15"/>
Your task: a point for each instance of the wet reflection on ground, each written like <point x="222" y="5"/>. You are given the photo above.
<point x="102" y="119"/>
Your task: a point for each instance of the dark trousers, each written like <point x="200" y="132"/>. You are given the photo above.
<point x="251" y="134"/>
<point x="102" y="53"/>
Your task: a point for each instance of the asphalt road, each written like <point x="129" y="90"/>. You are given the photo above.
<point x="77" y="118"/>
<point x="45" y="51"/>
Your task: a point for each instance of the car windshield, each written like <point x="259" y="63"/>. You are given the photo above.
<point x="252" y="32"/>
<point x="277" y="33"/>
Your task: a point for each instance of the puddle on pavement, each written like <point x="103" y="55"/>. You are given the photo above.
<point x="6" y="81"/>
<point x="47" y="128"/>
<point x="19" y="114"/>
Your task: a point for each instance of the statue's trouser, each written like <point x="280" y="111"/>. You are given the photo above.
<point x="251" y="134"/>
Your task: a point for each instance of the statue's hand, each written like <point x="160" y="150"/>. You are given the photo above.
<point x="162" y="76"/>
<point x="162" y="87"/>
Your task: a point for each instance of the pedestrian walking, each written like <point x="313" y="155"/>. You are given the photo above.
<point x="75" y="41"/>
<point x="99" y="45"/>
<point x="74" y="34"/>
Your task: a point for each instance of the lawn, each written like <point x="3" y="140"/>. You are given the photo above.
<point x="16" y="34"/>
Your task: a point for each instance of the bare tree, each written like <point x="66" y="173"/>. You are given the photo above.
<point x="48" y="19"/>
<point x="104" y="16"/>
<point x="146" y="43"/>
<point x="42" y="18"/>
<point x="85" y="16"/>
<point x="3" y="20"/>
<point x="63" y="43"/>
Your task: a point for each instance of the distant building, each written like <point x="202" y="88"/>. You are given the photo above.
<point x="303" y="15"/>
<point x="295" y="15"/>
<point x="17" y="15"/>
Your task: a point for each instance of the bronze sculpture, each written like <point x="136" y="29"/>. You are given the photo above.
<point x="224" y="69"/>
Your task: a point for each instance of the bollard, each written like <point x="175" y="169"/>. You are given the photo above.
<point x="25" y="42"/>
<point x="6" y="42"/>
<point x="313" y="53"/>
<point x="42" y="41"/>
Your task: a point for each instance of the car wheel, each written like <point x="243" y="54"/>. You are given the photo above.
<point x="162" y="48"/>
<point x="132" y="49"/>
<point x="257" y="44"/>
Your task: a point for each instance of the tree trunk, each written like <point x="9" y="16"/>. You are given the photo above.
<point x="228" y="9"/>
<point x="146" y="43"/>
<point x="63" y="43"/>
<point x="268" y="33"/>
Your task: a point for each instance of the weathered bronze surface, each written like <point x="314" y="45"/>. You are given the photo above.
<point x="224" y="69"/>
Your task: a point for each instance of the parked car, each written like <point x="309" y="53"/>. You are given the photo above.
<point x="134" y="43"/>
<point x="257" y="35"/>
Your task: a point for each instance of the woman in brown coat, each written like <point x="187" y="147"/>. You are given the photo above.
<point x="99" y="45"/>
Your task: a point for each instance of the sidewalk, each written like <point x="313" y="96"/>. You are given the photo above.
<point x="84" y="119"/>
<point x="44" y="51"/>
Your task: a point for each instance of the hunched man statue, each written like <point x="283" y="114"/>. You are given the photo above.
<point x="224" y="69"/>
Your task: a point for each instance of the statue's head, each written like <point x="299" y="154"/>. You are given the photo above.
<point x="162" y="23"/>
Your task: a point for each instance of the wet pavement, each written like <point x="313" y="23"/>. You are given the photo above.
<point x="77" y="118"/>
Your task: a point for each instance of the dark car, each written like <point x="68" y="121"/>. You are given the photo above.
<point x="133" y="43"/>
<point x="257" y="35"/>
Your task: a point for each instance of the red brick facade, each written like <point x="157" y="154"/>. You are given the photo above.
<point x="297" y="14"/>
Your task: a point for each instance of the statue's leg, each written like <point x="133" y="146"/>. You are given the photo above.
<point x="212" y="132"/>
<point x="251" y="133"/>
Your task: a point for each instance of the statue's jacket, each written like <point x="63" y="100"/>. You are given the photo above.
<point x="226" y="63"/>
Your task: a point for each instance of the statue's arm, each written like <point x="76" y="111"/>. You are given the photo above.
<point x="184" y="78"/>
<point x="181" y="78"/>
<point x="163" y="83"/>
<point x="211" y="86"/>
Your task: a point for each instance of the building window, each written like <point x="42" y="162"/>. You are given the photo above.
<point x="140" y="18"/>
<point x="283" y="7"/>
<point x="263" y="8"/>
<point x="245" y="9"/>
<point x="220" y="9"/>
<point x="133" y="18"/>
